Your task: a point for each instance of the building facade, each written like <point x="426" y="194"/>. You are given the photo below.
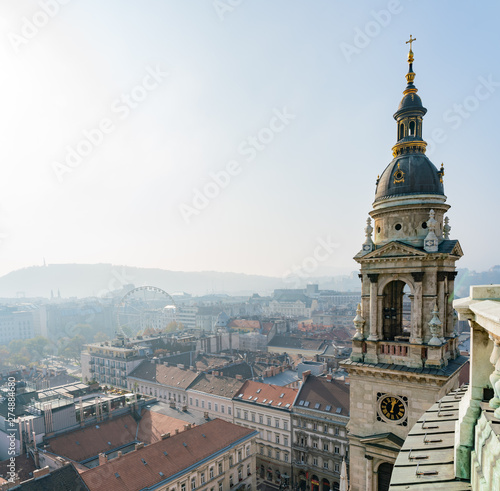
<point x="402" y="360"/>
<point x="213" y="394"/>
<point x="267" y="409"/>
<point x="166" y="382"/>
<point x="319" y="443"/>
<point x="110" y="362"/>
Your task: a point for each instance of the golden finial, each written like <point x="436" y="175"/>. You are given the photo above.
<point x="410" y="54"/>
<point x="411" y="41"/>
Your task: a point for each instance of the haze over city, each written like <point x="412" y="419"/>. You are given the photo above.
<point x="191" y="136"/>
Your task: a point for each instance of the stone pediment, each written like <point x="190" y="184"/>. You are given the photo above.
<point x="395" y="249"/>
<point x="457" y="250"/>
<point x="384" y="440"/>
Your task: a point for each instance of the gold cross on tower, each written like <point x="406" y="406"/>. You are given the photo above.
<point x="411" y="41"/>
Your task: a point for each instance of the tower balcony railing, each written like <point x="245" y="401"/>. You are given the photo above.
<point x="394" y="348"/>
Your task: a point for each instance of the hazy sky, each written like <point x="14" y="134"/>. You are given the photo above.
<point x="234" y="135"/>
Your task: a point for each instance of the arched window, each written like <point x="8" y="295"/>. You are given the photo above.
<point x="396" y="310"/>
<point x="384" y="476"/>
<point x="412" y="128"/>
<point x="401" y="131"/>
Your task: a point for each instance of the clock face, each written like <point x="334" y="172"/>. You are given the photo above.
<point x="392" y="408"/>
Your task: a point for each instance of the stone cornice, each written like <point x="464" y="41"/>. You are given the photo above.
<point x="398" y="376"/>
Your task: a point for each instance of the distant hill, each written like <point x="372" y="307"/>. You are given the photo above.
<point x="84" y="280"/>
<point x="466" y="278"/>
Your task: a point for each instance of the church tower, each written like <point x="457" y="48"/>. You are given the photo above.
<point x="405" y="351"/>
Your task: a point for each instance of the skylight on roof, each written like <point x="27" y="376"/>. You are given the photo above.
<point x="240" y="395"/>
<point x="327" y="408"/>
<point x="258" y="391"/>
<point x="338" y="410"/>
<point x="144" y="462"/>
<point x="161" y="473"/>
<point x="317" y="405"/>
<point x="279" y="403"/>
<point x="165" y="453"/>
<point x="282" y="395"/>
<point x="255" y="399"/>
<point x="117" y="475"/>
<point x="306" y="404"/>
<point x="249" y="398"/>
<point x="270" y="401"/>
<point x="287" y="405"/>
<point x="301" y="403"/>
<point x="264" y="400"/>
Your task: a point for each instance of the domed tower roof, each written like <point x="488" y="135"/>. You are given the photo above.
<point x="411" y="171"/>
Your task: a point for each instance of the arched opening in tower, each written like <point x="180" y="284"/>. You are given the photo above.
<point x="412" y="128"/>
<point x="396" y="311"/>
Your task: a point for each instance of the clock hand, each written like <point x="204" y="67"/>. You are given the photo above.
<point x="393" y="404"/>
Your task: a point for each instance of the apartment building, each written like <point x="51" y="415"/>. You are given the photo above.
<point x="267" y="409"/>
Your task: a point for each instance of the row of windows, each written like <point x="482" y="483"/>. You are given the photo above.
<point x="219" y="468"/>
<point x="302" y="423"/>
<point x="316" y="463"/>
<point x="198" y="403"/>
<point x="251" y="416"/>
<point x="277" y="454"/>
<point x="326" y="445"/>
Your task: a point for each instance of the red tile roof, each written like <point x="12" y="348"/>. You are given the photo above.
<point x="266" y="395"/>
<point x="88" y="442"/>
<point x="141" y="468"/>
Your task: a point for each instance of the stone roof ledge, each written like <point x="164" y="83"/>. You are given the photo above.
<point x="482" y="306"/>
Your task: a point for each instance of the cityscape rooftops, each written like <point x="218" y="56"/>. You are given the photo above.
<point x="160" y="461"/>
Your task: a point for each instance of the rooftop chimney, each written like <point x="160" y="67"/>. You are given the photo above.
<point x="305" y="374"/>
<point x="103" y="458"/>
<point x="139" y="445"/>
<point x="177" y="431"/>
<point x="239" y="377"/>
<point x="164" y="436"/>
<point x="41" y="472"/>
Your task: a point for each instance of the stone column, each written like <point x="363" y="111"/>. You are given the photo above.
<point x="469" y="407"/>
<point x="495" y="376"/>
<point x="417" y="336"/>
<point x="450" y="312"/>
<point x="441" y="289"/>
<point x="369" y="473"/>
<point x="373" y="307"/>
